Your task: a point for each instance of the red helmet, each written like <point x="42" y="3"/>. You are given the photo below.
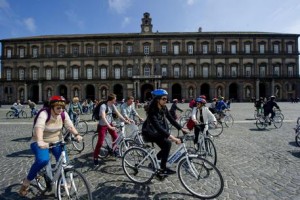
<point x="57" y="101"/>
<point x="202" y="96"/>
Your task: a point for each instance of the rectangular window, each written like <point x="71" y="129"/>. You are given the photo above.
<point x="164" y="71"/>
<point x="129" y="72"/>
<point x="248" y="72"/>
<point x="48" y="74"/>
<point x="35" y="52"/>
<point x="176" y="49"/>
<point x="290" y="71"/>
<point x="205" y="72"/>
<point x="290" y="48"/>
<point x="21" y="74"/>
<point x="61" y="74"/>
<point x="233" y="48"/>
<point x="22" y="52"/>
<point x="8" y="74"/>
<point x="146" y="50"/>
<point x="205" y="49"/>
<point x="190" y="49"/>
<point x="75" y="73"/>
<point x="103" y="51"/>
<point x="219" y="49"/>
<point x="61" y="51"/>
<point x="117" y="73"/>
<point x="103" y="73"/>
<point x="8" y="53"/>
<point x="75" y="51"/>
<point x="48" y="51"/>
<point x="261" y="48"/>
<point x="276" y="48"/>
<point x="147" y="71"/>
<point x="117" y="50"/>
<point x="233" y="71"/>
<point x="191" y="72"/>
<point x="129" y="49"/>
<point x="247" y="48"/>
<point x="89" y="51"/>
<point x="262" y="71"/>
<point x="176" y="72"/>
<point x="276" y="71"/>
<point x="219" y="71"/>
<point x="35" y="74"/>
<point x="89" y="73"/>
<point x="164" y="49"/>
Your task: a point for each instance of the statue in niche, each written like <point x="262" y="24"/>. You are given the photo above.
<point x="219" y="91"/>
<point x="76" y="92"/>
<point x="276" y="91"/>
<point x="191" y="92"/>
<point x="103" y="95"/>
<point x="248" y="93"/>
<point x="49" y="93"/>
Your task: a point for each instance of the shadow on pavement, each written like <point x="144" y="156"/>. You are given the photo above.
<point x="295" y="153"/>
<point x="172" y="195"/>
<point x="294" y="144"/>
<point x="25" y="139"/>
<point x="24" y="153"/>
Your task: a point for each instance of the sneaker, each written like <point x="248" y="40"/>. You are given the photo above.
<point x="167" y="171"/>
<point x="23" y="190"/>
<point x="96" y="162"/>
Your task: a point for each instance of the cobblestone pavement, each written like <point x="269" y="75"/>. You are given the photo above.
<point x="254" y="164"/>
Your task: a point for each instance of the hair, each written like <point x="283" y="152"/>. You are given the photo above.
<point x="111" y="97"/>
<point x="75" y="99"/>
<point x="129" y="97"/>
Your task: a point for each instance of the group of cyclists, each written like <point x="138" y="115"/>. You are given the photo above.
<point x="266" y="107"/>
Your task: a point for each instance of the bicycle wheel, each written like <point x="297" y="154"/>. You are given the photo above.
<point x="277" y="120"/>
<point x="23" y="114"/>
<point x="78" y="145"/>
<point x="228" y="120"/>
<point x="183" y="120"/>
<point x="82" y="127"/>
<point x="208" y="151"/>
<point x="298" y="120"/>
<point x="215" y="129"/>
<point x="200" y="177"/>
<point x="43" y="182"/>
<point x="104" y="150"/>
<point x="138" y="165"/>
<point x="297" y="139"/>
<point x="10" y="114"/>
<point x="73" y="185"/>
<point x="260" y="123"/>
<point x="188" y="112"/>
<point x="138" y="139"/>
<point x="125" y="145"/>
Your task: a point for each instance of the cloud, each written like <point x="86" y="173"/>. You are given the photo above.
<point x="4" y="4"/>
<point x="30" y="24"/>
<point x="120" y="6"/>
<point x="73" y="17"/>
<point x="126" y="21"/>
<point x="190" y="2"/>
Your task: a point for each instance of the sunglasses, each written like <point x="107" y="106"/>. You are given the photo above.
<point x="164" y="99"/>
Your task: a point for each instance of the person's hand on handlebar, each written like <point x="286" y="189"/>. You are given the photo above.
<point x="185" y="131"/>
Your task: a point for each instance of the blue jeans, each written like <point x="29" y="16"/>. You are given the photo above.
<point x="42" y="157"/>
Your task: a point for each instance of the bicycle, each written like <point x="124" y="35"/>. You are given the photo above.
<point x="297" y="134"/>
<point x="11" y="114"/>
<point x="82" y="128"/>
<point x="116" y="148"/>
<point x="197" y="175"/>
<point x="278" y="113"/>
<point x="264" y="121"/>
<point x="68" y="182"/>
<point x="258" y="113"/>
<point x="188" y="112"/>
<point x="225" y="118"/>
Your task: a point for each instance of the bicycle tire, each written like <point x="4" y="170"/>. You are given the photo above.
<point x="188" y="112"/>
<point x="277" y="121"/>
<point x="207" y="184"/>
<point x="210" y="152"/>
<point x="82" y="127"/>
<point x="228" y="120"/>
<point x="104" y="150"/>
<point x="215" y="129"/>
<point x="43" y="182"/>
<point x="138" y="139"/>
<point x="261" y="123"/>
<point x="125" y="145"/>
<point x="298" y="120"/>
<point x="77" y="185"/>
<point x="10" y="114"/>
<point x="23" y="114"/>
<point x="78" y="145"/>
<point x="136" y="171"/>
<point x="297" y="139"/>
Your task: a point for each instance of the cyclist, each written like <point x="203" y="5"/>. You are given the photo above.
<point x="259" y="105"/>
<point x="221" y="106"/>
<point x="74" y="109"/>
<point x="17" y="107"/>
<point x="212" y="106"/>
<point x="32" y="106"/>
<point x="157" y="113"/>
<point x="201" y="120"/>
<point x="128" y="110"/>
<point x="173" y="109"/>
<point x="45" y="133"/>
<point x="105" y="123"/>
<point x="268" y="108"/>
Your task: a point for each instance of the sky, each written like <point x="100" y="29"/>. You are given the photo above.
<point x="22" y="18"/>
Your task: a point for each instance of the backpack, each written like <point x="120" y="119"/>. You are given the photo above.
<point x="96" y="111"/>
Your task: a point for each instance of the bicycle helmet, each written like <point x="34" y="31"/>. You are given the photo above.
<point x="272" y="97"/>
<point x="202" y="96"/>
<point x="175" y="100"/>
<point x="159" y="93"/>
<point x="200" y="100"/>
<point x="57" y="101"/>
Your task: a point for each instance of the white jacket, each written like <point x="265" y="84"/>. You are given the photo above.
<point x="207" y="116"/>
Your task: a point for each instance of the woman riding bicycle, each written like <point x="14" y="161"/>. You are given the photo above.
<point x="47" y="132"/>
<point x="157" y="112"/>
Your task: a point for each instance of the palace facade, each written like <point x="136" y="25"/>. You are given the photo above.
<point x="236" y="65"/>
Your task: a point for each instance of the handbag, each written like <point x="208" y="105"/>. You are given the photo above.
<point x="190" y="124"/>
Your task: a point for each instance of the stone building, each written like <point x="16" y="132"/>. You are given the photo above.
<point x="237" y="65"/>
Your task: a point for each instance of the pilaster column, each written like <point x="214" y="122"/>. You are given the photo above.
<point x="40" y="93"/>
<point x="257" y="89"/>
<point x="25" y="93"/>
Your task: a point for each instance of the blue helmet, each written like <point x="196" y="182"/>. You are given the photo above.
<point x="200" y="100"/>
<point x="159" y="93"/>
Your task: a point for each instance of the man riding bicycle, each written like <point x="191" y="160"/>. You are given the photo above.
<point x="268" y="108"/>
